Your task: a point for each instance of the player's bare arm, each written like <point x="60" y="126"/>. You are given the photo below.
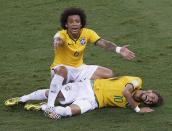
<point x="57" y="42"/>
<point x="110" y="46"/>
<point x="128" y="95"/>
<point x="107" y="45"/>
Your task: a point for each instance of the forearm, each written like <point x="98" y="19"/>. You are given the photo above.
<point x="130" y="100"/>
<point x="128" y="95"/>
<point x="110" y="46"/>
<point x="57" y="40"/>
<point x="107" y="45"/>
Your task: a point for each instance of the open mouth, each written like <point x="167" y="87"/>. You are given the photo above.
<point x="146" y="99"/>
<point x="74" y="29"/>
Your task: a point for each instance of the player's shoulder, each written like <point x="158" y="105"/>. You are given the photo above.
<point x="87" y="30"/>
<point x="130" y="79"/>
<point x="135" y="80"/>
<point x="61" y="34"/>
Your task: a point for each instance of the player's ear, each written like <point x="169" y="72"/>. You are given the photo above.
<point x="66" y="25"/>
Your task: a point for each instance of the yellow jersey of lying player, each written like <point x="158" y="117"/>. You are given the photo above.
<point x="71" y="51"/>
<point x="109" y="91"/>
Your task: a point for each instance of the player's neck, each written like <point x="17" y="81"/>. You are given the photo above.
<point x="74" y="36"/>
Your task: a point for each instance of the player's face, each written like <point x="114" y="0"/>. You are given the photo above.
<point x="73" y="24"/>
<point x="149" y="98"/>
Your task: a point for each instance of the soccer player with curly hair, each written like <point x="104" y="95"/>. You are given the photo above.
<point x="69" y="45"/>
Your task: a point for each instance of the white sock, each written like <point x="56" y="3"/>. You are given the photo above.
<point x="36" y="95"/>
<point x="55" y="87"/>
<point x="43" y="107"/>
<point x="63" y="111"/>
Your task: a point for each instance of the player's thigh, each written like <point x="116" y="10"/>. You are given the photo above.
<point x="85" y="72"/>
<point x="69" y="92"/>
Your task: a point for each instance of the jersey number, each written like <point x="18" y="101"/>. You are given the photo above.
<point x="118" y="99"/>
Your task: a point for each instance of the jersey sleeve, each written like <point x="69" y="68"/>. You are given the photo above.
<point x="137" y="83"/>
<point x="60" y="35"/>
<point x="93" y="36"/>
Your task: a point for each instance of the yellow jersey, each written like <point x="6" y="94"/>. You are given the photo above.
<point x="71" y="51"/>
<point x="109" y="91"/>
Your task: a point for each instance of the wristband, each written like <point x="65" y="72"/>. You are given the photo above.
<point x="118" y="49"/>
<point x="137" y="109"/>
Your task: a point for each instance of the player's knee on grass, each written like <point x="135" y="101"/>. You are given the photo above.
<point x="75" y="109"/>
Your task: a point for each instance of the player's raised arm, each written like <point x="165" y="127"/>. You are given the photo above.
<point x="110" y="46"/>
<point x="57" y="41"/>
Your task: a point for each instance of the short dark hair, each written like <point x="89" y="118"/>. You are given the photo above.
<point x="72" y="11"/>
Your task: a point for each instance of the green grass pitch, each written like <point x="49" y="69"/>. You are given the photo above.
<point x="26" y="31"/>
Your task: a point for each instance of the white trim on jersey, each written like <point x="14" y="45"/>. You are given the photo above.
<point x="135" y="83"/>
<point x="57" y="35"/>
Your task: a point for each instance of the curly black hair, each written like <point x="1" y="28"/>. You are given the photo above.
<point x="72" y="11"/>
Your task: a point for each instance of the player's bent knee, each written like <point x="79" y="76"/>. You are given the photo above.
<point x="75" y="109"/>
<point x="46" y="93"/>
<point x="62" y="71"/>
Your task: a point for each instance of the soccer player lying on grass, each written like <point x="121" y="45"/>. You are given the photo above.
<point x="88" y="95"/>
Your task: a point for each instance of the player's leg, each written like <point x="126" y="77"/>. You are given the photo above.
<point x="56" y="112"/>
<point x="36" y="95"/>
<point x="60" y="74"/>
<point x="38" y="106"/>
<point x="84" y="105"/>
<point x="77" y="108"/>
<point x="102" y="72"/>
<point x="81" y="97"/>
<point x="93" y="72"/>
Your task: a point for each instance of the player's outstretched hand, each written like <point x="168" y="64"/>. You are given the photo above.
<point x="146" y="110"/>
<point x="126" y="53"/>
